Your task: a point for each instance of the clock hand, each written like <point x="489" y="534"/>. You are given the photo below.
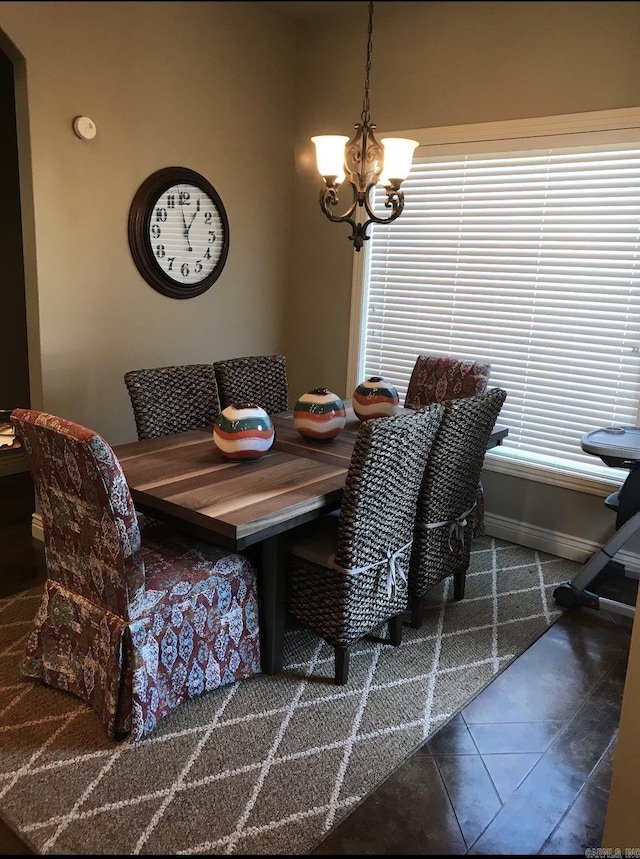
<point x="186" y="228"/>
<point x="193" y="217"/>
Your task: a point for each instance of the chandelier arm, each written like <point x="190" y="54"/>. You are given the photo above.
<point x="394" y="201"/>
<point x="329" y="198"/>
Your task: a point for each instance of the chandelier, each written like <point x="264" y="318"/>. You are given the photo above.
<point x="363" y="162"/>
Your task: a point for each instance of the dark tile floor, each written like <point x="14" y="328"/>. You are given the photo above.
<point x="524" y="768"/>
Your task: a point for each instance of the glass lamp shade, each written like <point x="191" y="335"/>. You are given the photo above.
<point x="398" y="155"/>
<point x="243" y="431"/>
<point x="330" y="155"/>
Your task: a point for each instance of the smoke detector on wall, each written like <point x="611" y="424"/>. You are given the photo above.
<point x="84" y="127"/>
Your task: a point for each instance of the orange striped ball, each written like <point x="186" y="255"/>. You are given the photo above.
<point x="319" y="414"/>
<point x="243" y="431"/>
<point x="375" y="398"/>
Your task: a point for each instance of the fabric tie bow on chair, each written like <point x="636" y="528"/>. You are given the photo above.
<point x="456" y="526"/>
<point x="394" y="564"/>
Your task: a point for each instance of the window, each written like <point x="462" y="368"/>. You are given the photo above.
<point x="524" y="252"/>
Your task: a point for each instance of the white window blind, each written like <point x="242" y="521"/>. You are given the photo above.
<point x="530" y="260"/>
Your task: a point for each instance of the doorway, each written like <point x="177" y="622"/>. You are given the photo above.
<point x="14" y="378"/>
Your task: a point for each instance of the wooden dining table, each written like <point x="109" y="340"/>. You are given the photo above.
<point x="246" y="504"/>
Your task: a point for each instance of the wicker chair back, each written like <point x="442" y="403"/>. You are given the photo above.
<point x="363" y="582"/>
<point x="167" y="400"/>
<point x="259" y="379"/>
<point x="437" y="378"/>
<point x="444" y="520"/>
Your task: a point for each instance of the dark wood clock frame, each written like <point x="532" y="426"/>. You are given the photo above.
<point x="140" y="213"/>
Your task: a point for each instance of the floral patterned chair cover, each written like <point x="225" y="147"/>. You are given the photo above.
<point x="133" y="620"/>
<point x="437" y="378"/>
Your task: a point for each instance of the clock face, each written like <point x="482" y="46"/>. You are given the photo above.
<point x="186" y="234"/>
<point x="178" y="232"/>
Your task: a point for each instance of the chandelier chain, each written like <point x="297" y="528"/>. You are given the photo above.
<point x="361" y="163"/>
<point x="366" y="116"/>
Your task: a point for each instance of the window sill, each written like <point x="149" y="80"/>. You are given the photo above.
<point x="503" y="461"/>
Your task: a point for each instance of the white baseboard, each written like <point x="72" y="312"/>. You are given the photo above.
<point x="553" y="542"/>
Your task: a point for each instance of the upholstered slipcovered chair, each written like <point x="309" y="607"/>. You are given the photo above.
<point x="444" y="520"/>
<point x="132" y="621"/>
<point x="436" y="378"/>
<point x="168" y="400"/>
<point x="258" y="379"/>
<point x="348" y="576"/>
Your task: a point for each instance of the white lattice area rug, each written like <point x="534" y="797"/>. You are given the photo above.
<point x="270" y="765"/>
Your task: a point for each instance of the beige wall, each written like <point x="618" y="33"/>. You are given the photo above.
<point x="202" y="85"/>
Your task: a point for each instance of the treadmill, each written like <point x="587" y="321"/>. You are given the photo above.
<point x="617" y="447"/>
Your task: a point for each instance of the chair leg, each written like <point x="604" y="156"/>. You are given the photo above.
<point x="341" y="665"/>
<point x="478" y="514"/>
<point x="395" y="630"/>
<point x="417" y="611"/>
<point x="459" y="581"/>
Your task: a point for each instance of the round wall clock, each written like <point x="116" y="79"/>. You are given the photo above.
<point x="178" y="232"/>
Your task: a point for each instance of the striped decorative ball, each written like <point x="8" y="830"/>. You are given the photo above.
<point x="319" y="414"/>
<point x="375" y="398"/>
<point x="243" y="431"/>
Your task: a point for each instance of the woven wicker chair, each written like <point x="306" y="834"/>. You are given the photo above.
<point x="348" y="577"/>
<point x="259" y="379"/>
<point x="444" y="522"/>
<point x="437" y="378"/>
<point x="132" y="621"/>
<point x="167" y="400"/>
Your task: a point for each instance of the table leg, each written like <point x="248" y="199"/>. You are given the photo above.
<point x="272" y="580"/>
